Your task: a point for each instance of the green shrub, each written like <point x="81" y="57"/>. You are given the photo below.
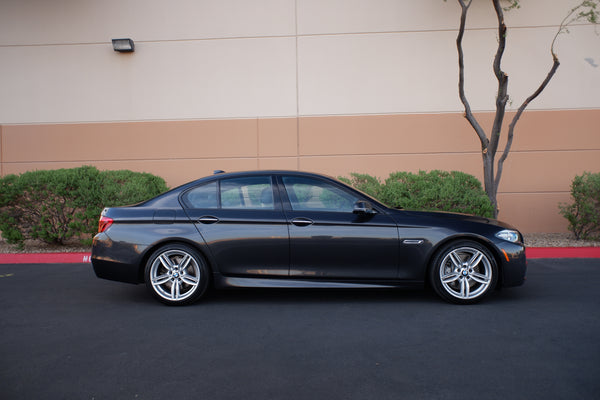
<point x="56" y="205"/>
<point x="365" y="183"/>
<point x="436" y="190"/>
<point x="124" y="187"/>
<point x="584" y="214"/>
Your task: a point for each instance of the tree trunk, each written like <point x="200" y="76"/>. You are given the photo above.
<point x="488" y="145"/>
<point x="489" y="180"/>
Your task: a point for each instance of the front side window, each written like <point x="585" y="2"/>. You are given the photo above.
<point x="247" y="193"/>
<point x="307" y="194"/>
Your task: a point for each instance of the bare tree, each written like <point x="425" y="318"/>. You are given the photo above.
<point x="585" y="11"/>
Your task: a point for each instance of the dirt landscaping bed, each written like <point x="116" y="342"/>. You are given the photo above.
<point x="556" y="240"/>
<point x="34" y="246"/>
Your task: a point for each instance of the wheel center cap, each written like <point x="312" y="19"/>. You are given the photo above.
<point x="465" y="272"/>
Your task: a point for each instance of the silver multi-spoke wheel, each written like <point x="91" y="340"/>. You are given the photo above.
<point x="464" y="272"/>
<point x="176" y="274"/>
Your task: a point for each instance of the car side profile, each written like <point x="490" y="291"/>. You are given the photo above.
<point x="290" y="229"/>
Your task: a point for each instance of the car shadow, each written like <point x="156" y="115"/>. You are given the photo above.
<point x="139" y="294"/>
<point x="290" y="296"/>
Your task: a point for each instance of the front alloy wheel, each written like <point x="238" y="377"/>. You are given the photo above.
<point x="176" y="275"/>
<point x="464" y="272"/>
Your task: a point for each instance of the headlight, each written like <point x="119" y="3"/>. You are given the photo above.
<point x="508" y="235"/>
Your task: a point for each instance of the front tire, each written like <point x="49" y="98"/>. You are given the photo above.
<point x="176" y="274"/>
<point x="463" y="272"/>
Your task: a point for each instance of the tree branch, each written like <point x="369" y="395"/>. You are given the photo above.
<point x="511" y="126"/>
<point x="502" y="95"/>
<point x="461" y="77"/>
<point x="586" y="10"/>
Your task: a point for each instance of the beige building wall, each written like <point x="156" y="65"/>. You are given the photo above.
<point x="333" y="86"/>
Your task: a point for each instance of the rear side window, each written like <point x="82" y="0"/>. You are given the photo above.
<point x="235" y="193"/>
<point x="247" y="193"/>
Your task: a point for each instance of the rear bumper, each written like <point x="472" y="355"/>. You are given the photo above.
<point x="117" y="261"/>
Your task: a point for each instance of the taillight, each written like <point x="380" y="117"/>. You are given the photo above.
<point x="104" y="223"/>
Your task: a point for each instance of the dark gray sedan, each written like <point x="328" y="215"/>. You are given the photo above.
<point x="290" y="229"/>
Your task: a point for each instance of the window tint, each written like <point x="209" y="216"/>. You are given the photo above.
<point x="312" y="194"/>
<point x="204" y="196"/>
<point x="249" y="193"/>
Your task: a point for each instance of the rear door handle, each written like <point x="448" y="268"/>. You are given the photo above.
<point x="302" y="221"/>
<point x="208" y="219"/>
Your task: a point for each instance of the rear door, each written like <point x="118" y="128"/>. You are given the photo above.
<point x="242" y="221"/>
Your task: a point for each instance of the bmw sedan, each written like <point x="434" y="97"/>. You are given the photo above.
<point x="290" y="229"/>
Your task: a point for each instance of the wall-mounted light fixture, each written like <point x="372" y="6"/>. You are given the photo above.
<point x="123" y="45"/>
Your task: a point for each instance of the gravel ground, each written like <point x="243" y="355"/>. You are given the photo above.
<point x="531" y="240"/>
<point x="556" y="240"/>
<point x="32" y="246"/>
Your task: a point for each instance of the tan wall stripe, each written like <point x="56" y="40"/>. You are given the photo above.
<point x="550" y="148"/>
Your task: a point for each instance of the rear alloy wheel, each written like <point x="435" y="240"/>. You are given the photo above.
<point x="463" y="272"/>
<point x="176" y="275"/>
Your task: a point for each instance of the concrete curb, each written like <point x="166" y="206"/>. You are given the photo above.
<point x="71" y="258"/>
<point x="563" y="252"/>
<point x="45" y="258"/>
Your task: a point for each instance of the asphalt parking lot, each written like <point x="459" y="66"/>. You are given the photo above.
<point x="68" y="335"/>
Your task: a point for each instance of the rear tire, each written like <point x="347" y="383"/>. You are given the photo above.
<point x="176" y="274"/>
<point x="463" y="272"/>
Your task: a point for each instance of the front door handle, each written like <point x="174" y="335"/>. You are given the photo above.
<point x="302" y="221"/>
<point x="208" y="219"/>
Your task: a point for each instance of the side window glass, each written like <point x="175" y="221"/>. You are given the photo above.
<point x="247" y="193"/>
<point x="204" y="196"/>
<point x="312" y="194"/>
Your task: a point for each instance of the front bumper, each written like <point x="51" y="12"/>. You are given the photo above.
<point x="513" y="263"/>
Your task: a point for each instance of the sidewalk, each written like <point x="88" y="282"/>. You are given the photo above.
<point x="69" y="258"/>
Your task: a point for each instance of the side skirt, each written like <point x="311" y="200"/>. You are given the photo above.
<point x="222" y="282"/>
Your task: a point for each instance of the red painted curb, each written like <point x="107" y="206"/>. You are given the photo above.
<point x="562" y="252"/>
<point x="69" y="258"/>
<point x="45" y="258"/>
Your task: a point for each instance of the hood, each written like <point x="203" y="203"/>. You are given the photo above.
<point x="399" y="215"/>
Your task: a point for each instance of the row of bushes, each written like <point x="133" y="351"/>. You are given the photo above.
<point x="56" y="205"/>
<point x="435" y="190"/>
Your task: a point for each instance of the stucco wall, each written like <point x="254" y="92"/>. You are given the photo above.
<point x="332" y="86"/>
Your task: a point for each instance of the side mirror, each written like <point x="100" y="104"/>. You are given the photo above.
<point x="363" y="207"/>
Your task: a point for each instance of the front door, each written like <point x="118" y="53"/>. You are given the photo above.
<point x="329" y="241"/>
